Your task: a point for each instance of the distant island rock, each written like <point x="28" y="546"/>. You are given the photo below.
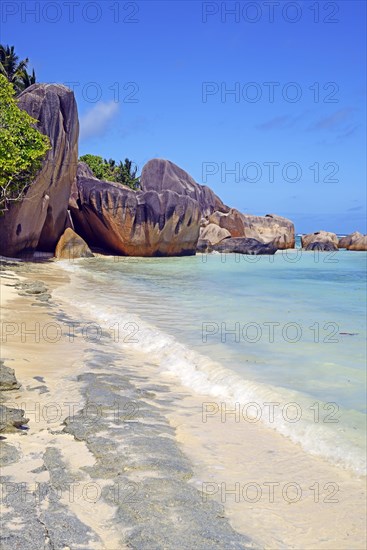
<point x="265" y="229"/>
<point x="320" y="240"/>
<point x="354" y="241"/>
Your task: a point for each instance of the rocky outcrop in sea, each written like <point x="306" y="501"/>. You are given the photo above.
<point x="265" y="229"/>
<point x="354" y="241"/>
<point x="320" y="240"/>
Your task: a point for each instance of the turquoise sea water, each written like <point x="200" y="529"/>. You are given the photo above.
<point x="283" y="337"/>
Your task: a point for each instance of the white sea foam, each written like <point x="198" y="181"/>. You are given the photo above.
<point x="205" y="376"/>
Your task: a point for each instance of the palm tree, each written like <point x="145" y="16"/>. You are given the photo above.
<point x="127" y="174"/>
<point x="29" y="79"/>
<point x="14" y="70"/>
<point x="128" y="166"/>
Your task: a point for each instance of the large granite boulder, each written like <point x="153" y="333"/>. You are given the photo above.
<point x="71" y="246"/>
<point x="242" y="245"/>
<point x="266" y="229"/>
<point x="359" y="244"/>
<point x="163" y="175"/>
<point x="213" y="233"/>
<point x="233" y="222"/>
<point x="354" y="241"/>
<point x="39" y="219"/>
<point x="344" y="242"/>
<point x="117" y="219"/>
<point x="323" y="237"/>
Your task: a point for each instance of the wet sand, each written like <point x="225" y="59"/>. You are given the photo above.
<point x="48" y="373"/>
<point x="233" y="463"/>
<point x="105" y="476"/>
<point x="269" y="487"/>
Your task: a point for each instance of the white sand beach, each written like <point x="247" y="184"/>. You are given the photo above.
<point x="234" y="463"/>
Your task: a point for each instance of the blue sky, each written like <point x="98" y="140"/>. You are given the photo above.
<point x="154" y="79"/>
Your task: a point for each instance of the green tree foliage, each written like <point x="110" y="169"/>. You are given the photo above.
<point x="98" y="166"/>
<point x="122" y="172"/>
<point x="22" y="147"/>
<point x="15" y="71"/>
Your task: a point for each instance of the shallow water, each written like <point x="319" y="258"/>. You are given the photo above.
<point x="283" y="337"/>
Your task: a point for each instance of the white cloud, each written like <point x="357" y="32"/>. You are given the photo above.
<point x="96" y="121"/>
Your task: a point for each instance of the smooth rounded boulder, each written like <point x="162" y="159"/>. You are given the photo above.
<point x="38" y="220"/>
<point x="163" y="175"/>
<point x="354" y="241"/>
<point x="265" y="229"/>
<point x="359" y="244"/>
<point x="232" y="221"/>
<point x="344" y="242"/>
<point x="71" y="246"/>
<point x="213" y="233"/>
<point x="323" y="237"/>
<point x="117" y="219"/>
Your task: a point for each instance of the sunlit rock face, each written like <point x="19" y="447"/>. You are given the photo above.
<point x="266" y="229"/>
<point x="163" y="175"/>
<point x="321" y="240"/>
<point x="38" y="220"/>
<point x="354" y="241"/>
<point x="153" y="222"/>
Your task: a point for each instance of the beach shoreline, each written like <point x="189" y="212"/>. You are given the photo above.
<point x="214" y="453"/>
<point x="75" y="469"/>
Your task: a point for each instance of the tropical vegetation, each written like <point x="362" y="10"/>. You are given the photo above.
<point x="110" y="170"/>
<point x="15" y="71"/>
<point x="22" y="147"/>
